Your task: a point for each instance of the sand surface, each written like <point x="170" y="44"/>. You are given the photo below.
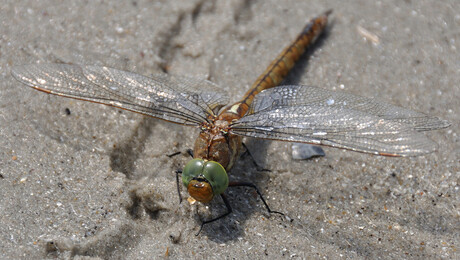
<point x="97" y="182"/>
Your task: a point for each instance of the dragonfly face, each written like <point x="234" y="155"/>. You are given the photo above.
<point x="204" y="179"/>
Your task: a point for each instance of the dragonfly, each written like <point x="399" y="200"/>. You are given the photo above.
<point x="293" y="113"/>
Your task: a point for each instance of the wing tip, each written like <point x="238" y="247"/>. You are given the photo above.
<point x="433" y="123"/>
<point x="15" y="72"/>
<point x="427" y="147"/>
<point x="444" y="123"/>
<point x="22" y="74"/>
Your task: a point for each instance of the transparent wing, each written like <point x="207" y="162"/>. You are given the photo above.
<point x="177" y="99"/>
<point x="284" y="96"/>
<point x="318" y="116"/>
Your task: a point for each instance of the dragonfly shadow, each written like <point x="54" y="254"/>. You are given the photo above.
<point x="124" y="155"/>
<point x="243" y="200"/>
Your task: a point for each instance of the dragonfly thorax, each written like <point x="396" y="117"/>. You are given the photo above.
<point x="216" y="143"/>
<point x="222" y="126"/>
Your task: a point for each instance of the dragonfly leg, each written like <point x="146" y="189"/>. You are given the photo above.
<point x="229" y="210"/>
<point x="178" y="172"/>
<point x="258" y="167"/>
<point x="252" y="185"/>
<point x="173" y="154"/>
<point x="189" y="152"/>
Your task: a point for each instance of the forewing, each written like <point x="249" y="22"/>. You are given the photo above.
<point x="177" y="99"/>
<point x="318" y="116"/>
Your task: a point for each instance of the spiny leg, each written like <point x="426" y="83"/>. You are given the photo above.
<point x="252" y="185"/>
<point x="258" y="167"/>
<point x="229" y="210"/>
<point x="173" y="154"/>
<point x="178" y="172"/>
<point x="189" y="152"/>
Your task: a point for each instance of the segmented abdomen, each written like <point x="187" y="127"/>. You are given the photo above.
<point x="279" y="68"/>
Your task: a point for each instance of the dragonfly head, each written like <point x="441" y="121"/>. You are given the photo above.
<point x="204" y="179"/>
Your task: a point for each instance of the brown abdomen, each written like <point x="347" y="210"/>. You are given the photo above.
<point x="279" y="67"/>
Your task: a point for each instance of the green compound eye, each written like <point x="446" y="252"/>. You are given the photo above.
<point x="206" y="171"/>
<point x="191" y="170"/>
<point x="216" y="175"/>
